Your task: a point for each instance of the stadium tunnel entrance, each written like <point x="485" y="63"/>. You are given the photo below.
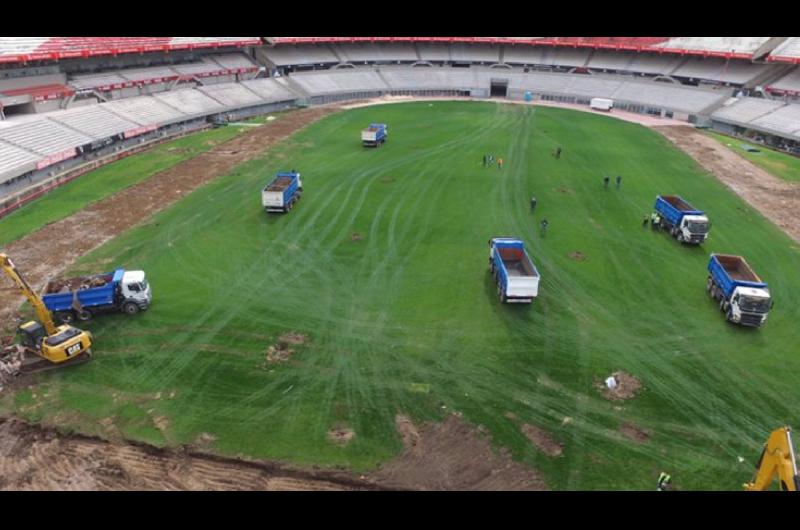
<point x="498" y="88"/>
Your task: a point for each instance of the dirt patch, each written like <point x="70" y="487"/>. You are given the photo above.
<point x="341" y="435"/>
<point x="204" y="440"/>
<point x="776" y="199"/>
<point x="564" y="189"/>
<point x="577" y="255"/>
<point x="627" y="387"/>
<point x="51" y="249"/>
<point x="292" y="337"/>
<point x="542" y="440"/>
<point x="452" y="455"/>
<point x="281" y="351"/>
<point x="634" y="433"/>
<point x="161" y="422"/>
<point x="356" y="237"/>
<point x="38" y="458"/>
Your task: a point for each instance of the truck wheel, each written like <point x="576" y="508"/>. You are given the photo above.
<point x="130" y="308"/>
<point x="67" y="317"/>
<point x="84" y="315"/>
<point x="681" y="239"/>
<point x="723" y="306"/>
<point x="729" y="315"/>
<point x="709" y="284"/>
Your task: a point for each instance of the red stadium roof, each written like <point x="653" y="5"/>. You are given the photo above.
<point x="24" y="49"/>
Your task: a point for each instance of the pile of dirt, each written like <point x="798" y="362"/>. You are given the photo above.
<point x="356" y="237"/>
<point x="77" y="284"/>
<point x="564" y="189"/>
<point x="634" y="433"/>
<point x="341" y="435"/>
<point x="626" y="388"/>
<point x="38" y="458"/>
<point x="542" y="440"/>
<point x="452" y="455"/>
<point x="281" y="352"/>
<point x="577" y="255"/>
<point x="51" y="249"/>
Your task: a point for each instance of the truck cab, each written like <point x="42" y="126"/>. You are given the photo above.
<point x="750" y="306"/>
<point x="693" y="229"/>
<point x="374" y="135"/>
<point x="135" y="291"/>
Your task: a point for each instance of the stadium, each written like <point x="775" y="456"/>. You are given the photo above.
<point x="638" y="195"/>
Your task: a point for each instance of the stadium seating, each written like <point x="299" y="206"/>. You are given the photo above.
<point x="714" y="69"/>
<point x="785" y="120"/>
<point x="301" y="55"/>
<point x="232" y="95"/>
<point x="269" y="90"/>
<point x="788" y="83"/>
<point x="744" y="110"/>
<point x="92" y="120"/>
<point x="373" y="52"/>
<point x="742" y="46"/>
<point x="144" y="111"/>
<point x="14" y="160"/>
<point x="43" y="137"/>
<point x="788" y="51"/>
<point x="189" y="101"/>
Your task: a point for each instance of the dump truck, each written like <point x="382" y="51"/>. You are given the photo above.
<point x="684" y="222"/>
<point x="741" y="294"/>
<point x="513" y="270"/>
<point x="374" y="135"/>
<point x="83" y="297"/>
<point x="282" y="192"/>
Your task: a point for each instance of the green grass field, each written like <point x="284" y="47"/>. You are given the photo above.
<point x="107" y="180"/>
<point x="781" y="165"/>
<point x="406" y="319"/>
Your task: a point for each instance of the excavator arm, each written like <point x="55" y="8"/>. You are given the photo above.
<point x="38" y="305"/>
<point x="777" y="458"/>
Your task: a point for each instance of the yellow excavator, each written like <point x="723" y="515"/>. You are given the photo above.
<point x="55" y="346"/>
<point x="777" y="459"/>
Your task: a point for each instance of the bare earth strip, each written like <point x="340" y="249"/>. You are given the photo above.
<point x="51" y="249"/>
<point x="776" y="199"/>
<point x="38" y="458"/>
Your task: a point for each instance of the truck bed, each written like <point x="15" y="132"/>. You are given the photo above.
<point x="737" y="268"/>
<point x="515" y="262"/>
<point x="678" y="203"/>
<point x="78" y="283"/>
<point x="279" y="184"/>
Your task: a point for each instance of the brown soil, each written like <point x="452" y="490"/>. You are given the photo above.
<point x="542" y="440"/>
<point x="776" y="199"/>
<point x="37" y="458"/>
<point x="452" y="455"/>
<point x="577" y="255"/>
<point x="564" y="189"/>
<point x="341" y="435"/>
<point x="281" y="352"/>
<point x="626" y="388"/>
<point x="356" y="237"/>
<point x="634" y="433"/>
<point x="51" y="249"/>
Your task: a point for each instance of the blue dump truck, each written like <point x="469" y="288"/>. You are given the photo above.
<point x="741" y="294"/>
<point x="516" y="277"/>
<point x="684" y="223"/>
<point x="282" y="192"/>
<point x="374" y="135"/>
<point x="83" y="297"/>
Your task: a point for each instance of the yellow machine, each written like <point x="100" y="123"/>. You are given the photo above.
<point x="57" y="345"/>
<point x="777" y="458"/>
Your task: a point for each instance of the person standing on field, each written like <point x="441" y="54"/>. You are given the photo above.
<point x="499" y="163"/>
<point x="619" y="181"/>
<point x="605" y="182"/>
